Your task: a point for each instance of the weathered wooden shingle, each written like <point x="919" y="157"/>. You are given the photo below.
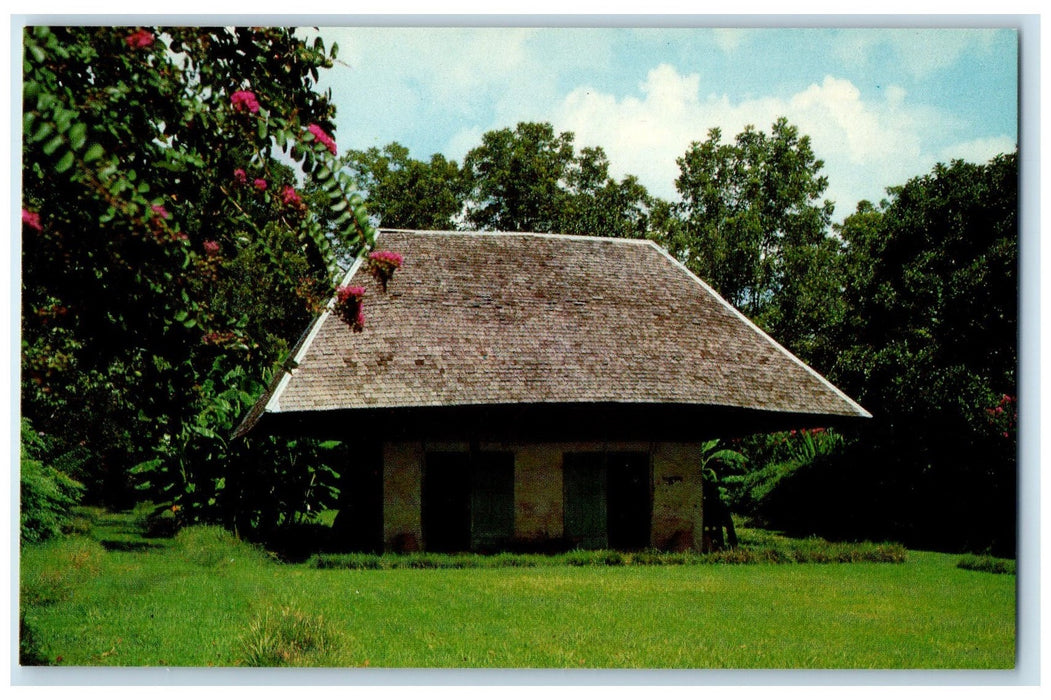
<point x="495" y="318"/>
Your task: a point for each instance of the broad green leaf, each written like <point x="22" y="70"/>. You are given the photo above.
<point x="65" y="162"/>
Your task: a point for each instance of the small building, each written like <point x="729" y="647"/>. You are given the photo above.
<point x="516" y="390"/>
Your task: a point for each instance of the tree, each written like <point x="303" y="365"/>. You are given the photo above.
<point x="593" y="203"/>
<point x="408" y="193"/>
<point x="929" y="342"/>
<point x="751" y="222"/>
<point x="531" y="179"/>
<point x="516" y="178"/>
<point x="157" y="222"/>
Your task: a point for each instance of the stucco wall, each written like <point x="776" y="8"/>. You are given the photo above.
<point x="677" y="496"/>
<point x="677" y="490"/>
<point x="538" y="492"/>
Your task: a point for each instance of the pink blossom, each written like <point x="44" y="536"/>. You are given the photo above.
<point x="141" y="39"/>
<point x="347" y="293"/>
<point x="322" y="138"/>
<point x="211" y="248"/>
<point x="160" y="211"/>
<point x="290" y="197"/>
<point x="240" y="176"/>
<point x="259" y="183"/>
<point x="387" y="257"/>
<point x="244" y="101"/>
<point x="32" y="220"/>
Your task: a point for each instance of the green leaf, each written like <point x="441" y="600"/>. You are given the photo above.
<point x="51" y="146"/>
<point x="93" y="153"/>
<point x="65" y="163"/>
<point x="43" y="132"/>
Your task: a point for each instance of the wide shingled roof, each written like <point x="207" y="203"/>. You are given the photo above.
<point x="517" y="318"/>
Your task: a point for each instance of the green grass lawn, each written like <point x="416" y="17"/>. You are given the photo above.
<point x="204" y="600"/>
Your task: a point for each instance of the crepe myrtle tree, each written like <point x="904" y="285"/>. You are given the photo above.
<point x="167" y="250"/>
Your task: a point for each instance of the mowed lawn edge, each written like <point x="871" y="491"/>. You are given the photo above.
<point x="215" y="604"/>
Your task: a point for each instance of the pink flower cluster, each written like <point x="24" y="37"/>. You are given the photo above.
<point x="211" y="248"/>
<point x="322" y="138"/>
<point x="259" y="183"/>
<point x="382" y="264"/>
<point x="160" y="211"/>
<point x="142" y="39"/>
<point x="347" y="294"/>
<point x="244" y="101"/>
<point x="387" y="257"/>
<point x="240" y="177"/>
<point x="32" y="220"/>
<point x="348" y="306"/>
<point x="290" y="197"/>
<point x="1002" y="417"/>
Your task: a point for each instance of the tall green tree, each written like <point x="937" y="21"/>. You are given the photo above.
<point x="407" y="193"/>
<point x="928" y="344"/>
<point x="753" y="223"/>
<point x="516" y="178"/>
<point x="166" y="250"/>
<point x="532" y="179"/>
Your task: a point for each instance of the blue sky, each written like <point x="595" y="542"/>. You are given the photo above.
<point x="880" y="105"/>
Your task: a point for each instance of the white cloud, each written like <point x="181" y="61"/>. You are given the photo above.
<point x="978" y="150"/>
<point x="866" y="145"/>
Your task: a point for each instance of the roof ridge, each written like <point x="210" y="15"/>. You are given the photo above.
<point x="509" y="234"/>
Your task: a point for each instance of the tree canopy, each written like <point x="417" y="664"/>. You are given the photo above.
<point x="168" y="255"/>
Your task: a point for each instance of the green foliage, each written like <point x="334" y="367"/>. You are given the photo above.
<point x="167" y="257"/>
<point x="48" y="495"/>
<point x="530" y="179"/>
<point x="929" y="346"/>
<point x="751" y="223"/>
<point x="408" y="193"/>
<point x="777" y="457"/>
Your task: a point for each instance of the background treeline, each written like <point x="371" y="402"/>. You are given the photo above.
<point x="162" y="288"/>
<point x="909" y="305"/>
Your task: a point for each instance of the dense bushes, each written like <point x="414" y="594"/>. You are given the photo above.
<point x="48" y="494"/>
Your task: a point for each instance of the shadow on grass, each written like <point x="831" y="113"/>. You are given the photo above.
<point x="129" y="546"/>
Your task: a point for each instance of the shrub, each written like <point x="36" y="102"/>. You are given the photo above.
<point x="48" y="494"/>
<point x="211" y="546"/>
<point x="287" y="637"/>
<point x="989" y="564"/>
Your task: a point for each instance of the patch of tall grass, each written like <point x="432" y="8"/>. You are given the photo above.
<point x="989" y="564"/>
<point x="286" y="636"/>
<point x="211" y="547"/>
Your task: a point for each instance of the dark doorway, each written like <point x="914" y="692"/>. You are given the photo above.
<point x="629" y="500"/>
<point x="358" y="526"/>
<point x="468" y="501"/>
<point x="607" y="499"/>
